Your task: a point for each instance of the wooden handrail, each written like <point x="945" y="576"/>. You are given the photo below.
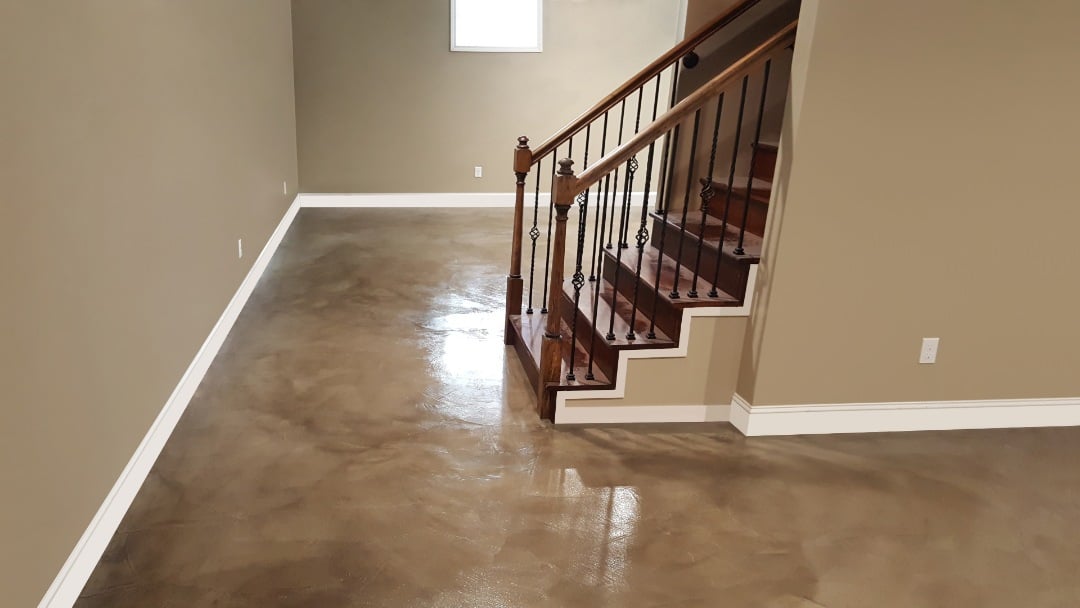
<point x="645" y="75"/>
<point x="680" y="112"/>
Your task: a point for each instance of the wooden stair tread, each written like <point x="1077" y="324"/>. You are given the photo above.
<point x="667" y="279"/>
<point x="768" y="146"/>
<point x="623" y="307"/>
<point x="530" y="336"/>
<point x="752" y="243"/>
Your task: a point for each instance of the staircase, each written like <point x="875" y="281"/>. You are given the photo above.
<point x="670" y="214"/>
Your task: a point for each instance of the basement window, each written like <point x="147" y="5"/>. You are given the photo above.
<point x="496" y="26"/>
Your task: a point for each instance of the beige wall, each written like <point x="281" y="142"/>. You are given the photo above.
<point x="926" y="189"/>
<point x="701" y="12"/>
<point x="141" y="139"/>
<point x="384" y="106"/>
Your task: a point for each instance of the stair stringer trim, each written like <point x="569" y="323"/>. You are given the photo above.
<point x="567" y="413"/>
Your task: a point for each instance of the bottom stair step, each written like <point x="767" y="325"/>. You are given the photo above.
<point x="529" y="338"/>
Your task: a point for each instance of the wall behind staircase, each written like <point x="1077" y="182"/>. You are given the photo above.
<point x="384" y="106"/>
<point x="140" y="141"/>
<point x="927" y="188"/>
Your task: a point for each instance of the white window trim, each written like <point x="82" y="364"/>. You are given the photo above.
<point x="494" y="49"/>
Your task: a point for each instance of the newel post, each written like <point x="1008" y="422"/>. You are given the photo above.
<point x="522" y="162"/>
<point x="551" y="350"/>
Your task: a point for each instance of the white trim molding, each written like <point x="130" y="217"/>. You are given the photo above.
<point x="568" y="413"/>
<point x="634" y="414"/>
<point x="825" y="418"/>
<point x="71" y="579"/>
<point x="434" y="199"/>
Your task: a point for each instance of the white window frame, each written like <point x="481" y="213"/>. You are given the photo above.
<point x="492" y="49"/>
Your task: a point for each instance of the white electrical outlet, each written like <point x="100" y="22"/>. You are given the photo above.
<point x="928" y="353"/>
<point x="285" y="186"/>
<point x="478" y="172"/>
<point x="239" y="248"/>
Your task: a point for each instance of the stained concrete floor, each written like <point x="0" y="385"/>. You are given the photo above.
<point x="365" y="439"/>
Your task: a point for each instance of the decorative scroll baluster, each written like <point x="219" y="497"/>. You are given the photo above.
<point x="593" y="270"/>
<point x="753" y="157"/>
<point x="642" y="238"/>
<point x="534" y="233"/>
<point x="655" y="107"/>
<point x="625" y="235"/>
<point x="660" y="258"/>
<point x="578" y="280"/>
<point x="674" y="295"/>
<point x="615" y="193"/>
<point x="547" y="252"/>
<point x="551" y="348"/>
<point x="706" y="197"/>
<point x="631" y="168"/>
<point x="714" y="293"/>
<point x="522" y="161"/>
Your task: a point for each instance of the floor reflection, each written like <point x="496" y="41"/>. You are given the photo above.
<point x="466" y="361"/>
<point x="604" y="521"/>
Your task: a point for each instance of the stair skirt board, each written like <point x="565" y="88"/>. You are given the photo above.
<point x="420" y="199"/>
<point x="828" y="418"/>
<point x="567" y="413"/>
<point x="71" y="578"/>
<point x="636" y="414"/>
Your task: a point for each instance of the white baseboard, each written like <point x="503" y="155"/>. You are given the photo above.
<point x="615" y="414"/>
<point x="445" y="199"/>
<point x="568" y="413"/>
<point x="72" y="577"/>
<point x="824" y="418"/>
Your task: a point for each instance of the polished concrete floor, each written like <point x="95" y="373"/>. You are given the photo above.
<point x="365" y="439"/>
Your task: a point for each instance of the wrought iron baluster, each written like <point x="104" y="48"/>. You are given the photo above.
<point x="593" y="270"/>
<point x="596" y="293"/>
<point x="578" y="280"/>
<point x="551" y="210"/>
<point x="631" y="168"/>
<point x="660" y="257"/>
<point x="706" y="196"/>
<point x="753" y="156"/>
<point x="668" y="151"/>
<point x="585" y="161"/>
<point x="714" y="293"/>
<point x="656" y="98"/>
<point x="642" y="238"/>
<point x="534" y="233"/>
<point x="615" y="194"/>
<point x="664" y="152"/>
<point x="625" y="236"/>
<point x="686" y="205"/>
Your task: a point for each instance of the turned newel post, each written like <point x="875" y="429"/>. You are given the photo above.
<point x="522" y="162"/>
<point x="551" y="351"/>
